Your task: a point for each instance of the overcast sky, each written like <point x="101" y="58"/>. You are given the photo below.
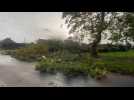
<point x="32" y="26"/>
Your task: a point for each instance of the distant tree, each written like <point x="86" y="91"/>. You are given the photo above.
<point x="8" y="43"/>
<point x="71" y="46"/>
<point x="53" y="45"/>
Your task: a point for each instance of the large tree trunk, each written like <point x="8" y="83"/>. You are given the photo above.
<point x="94" y="45"/>
<point x="127" y="43"/>
<point x="97" y="40"/>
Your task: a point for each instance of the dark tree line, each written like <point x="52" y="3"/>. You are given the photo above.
<point x="75" y="47"/>
<point x="10" y="44"/>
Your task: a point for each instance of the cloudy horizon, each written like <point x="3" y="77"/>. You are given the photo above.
<point x="30" y="26"/>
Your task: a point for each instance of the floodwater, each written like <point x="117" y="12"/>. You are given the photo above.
<point x="15" y="73"/>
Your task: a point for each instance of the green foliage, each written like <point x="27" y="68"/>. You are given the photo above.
<point x="92" y="25"/>
<point x="53" y="45"/>
<point x="71" y="67"/>
<point x="118" y="27"/>
<point x="53" y="65"/>
<point x="58" y="45"/>
<point x="122" y="29"/>
<point x="119" y="62"/>
<point x="72" y="46"/>
<point x="98" y="72"/>
<point x="31" y="53"/>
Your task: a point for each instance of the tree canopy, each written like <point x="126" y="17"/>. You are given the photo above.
<point x="95" y="25"/>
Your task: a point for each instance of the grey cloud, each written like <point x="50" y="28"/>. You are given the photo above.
<point x="31" y="25"/>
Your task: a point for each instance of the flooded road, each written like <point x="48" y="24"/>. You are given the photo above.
<point x="15" y="73"/>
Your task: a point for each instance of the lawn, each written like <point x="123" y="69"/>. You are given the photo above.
<point x="120" y="62"/>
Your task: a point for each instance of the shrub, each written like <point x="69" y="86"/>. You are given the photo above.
<point x="97" y="72"/>
<point x="31" y="53"/>
<point x="71" y="68"/>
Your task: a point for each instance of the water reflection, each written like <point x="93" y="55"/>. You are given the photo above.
<point x="17" y="73"/>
